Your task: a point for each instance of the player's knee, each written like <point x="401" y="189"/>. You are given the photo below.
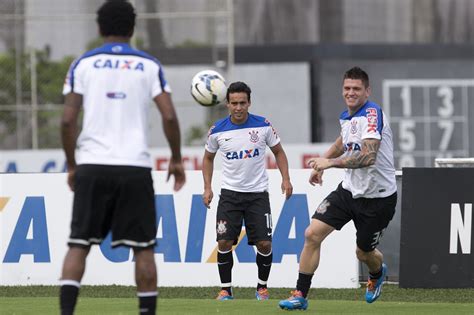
<point x="312" y="237"/>
<point x="264" y="247"/>
<point x="224" y="245"/>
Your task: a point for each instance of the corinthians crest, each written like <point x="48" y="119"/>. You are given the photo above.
<point x="253" y="136"/>
<point x="221" y="227"/>
<point x="353" y="126"/>
<point x="323" y="207"/>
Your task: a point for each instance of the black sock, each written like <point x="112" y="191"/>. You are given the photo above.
<point x="264" y="264"/>
<point x="376" y="275"/>
<point x="225" y="262"/>
<point x="68" y="296"/>
<point x="304" y="283"/>
<point x="147" y="302"/>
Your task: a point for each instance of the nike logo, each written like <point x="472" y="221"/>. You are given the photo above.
<point x="227" y="139"/>
<point x="266" y="265"/>
<point x="269" y="234"/>
<point x="222" y="263"/>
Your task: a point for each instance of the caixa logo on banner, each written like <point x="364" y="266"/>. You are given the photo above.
<point x="47" y="166"/>
<point x="30" y="235"/>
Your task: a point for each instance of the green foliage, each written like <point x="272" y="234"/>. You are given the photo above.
<point x="8" y="78"/>
<point x="195" y="135"/>
<point x="50" y="78"/>
<point x="51" y="75"/>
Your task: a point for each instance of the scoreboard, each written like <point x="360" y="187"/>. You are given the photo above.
<point x="429" y="119"/>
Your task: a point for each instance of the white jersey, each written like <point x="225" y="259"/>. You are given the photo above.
<point x="242" y="149"/>
<point x="117" y="83"/>
<point x="378" y="180"/>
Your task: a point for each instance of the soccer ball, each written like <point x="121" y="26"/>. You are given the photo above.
<point x="208" y="88"/>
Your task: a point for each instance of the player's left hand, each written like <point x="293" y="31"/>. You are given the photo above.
<point x="286" y="188"/>
<point x="319" y="163"/>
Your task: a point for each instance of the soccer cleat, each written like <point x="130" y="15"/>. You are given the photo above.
<point x="262" y="294"/>
<point x="295" y="302"/>
<point x="224" y="296"/>
<point x="374" y="286"/>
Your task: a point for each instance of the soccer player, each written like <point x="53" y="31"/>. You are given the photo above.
<point x="242" y="139"/>
<point x="367" y="195"/>
<point x="111" y="172"/>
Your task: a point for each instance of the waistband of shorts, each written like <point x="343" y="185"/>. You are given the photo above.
<point x="113" y="169"/>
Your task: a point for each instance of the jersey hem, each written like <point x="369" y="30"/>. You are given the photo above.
<point x="256" y="190"/>
<point x="116" y="162"/>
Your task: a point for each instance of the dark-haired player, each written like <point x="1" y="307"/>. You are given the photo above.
<point x="242" y="139"/>
<point x="367" y="195"/>
<point x="110" y="173"/>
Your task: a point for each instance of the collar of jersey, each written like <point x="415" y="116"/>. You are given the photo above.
<point x="252" y="121"/>
<point x="345" y="114"/>
<point x="109" y="46"/>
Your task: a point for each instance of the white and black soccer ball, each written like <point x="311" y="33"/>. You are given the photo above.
<point x="208" y="88"/>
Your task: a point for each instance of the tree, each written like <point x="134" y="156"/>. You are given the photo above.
<point x="50" y="78"/>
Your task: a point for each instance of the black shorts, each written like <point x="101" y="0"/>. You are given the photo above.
<point x="237" y="207"/>
<point x="119" y="199"/>
<point x="370" y="215"/>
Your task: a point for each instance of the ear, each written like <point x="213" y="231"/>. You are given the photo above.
<point x="369" y="91"/>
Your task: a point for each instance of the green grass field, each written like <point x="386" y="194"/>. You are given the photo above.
<point x="121" y="300"/>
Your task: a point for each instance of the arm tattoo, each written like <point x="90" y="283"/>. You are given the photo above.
<point x="339" y="149"/>
<point x="336" y="149"/>
<point x="364" y="158"/>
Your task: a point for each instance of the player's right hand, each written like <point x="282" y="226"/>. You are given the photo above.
<point x="207" y="197"/>
<point x="177" y="170"/>
<point x="316" y="177"/>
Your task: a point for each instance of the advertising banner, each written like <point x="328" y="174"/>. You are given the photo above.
<point x="436" y="249"/>
<point x="35" y="213"/>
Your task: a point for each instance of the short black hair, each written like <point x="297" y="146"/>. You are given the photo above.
<point x="116" y="18"/>
<point x="237" y="87"/>
<point x="357" y="73"/>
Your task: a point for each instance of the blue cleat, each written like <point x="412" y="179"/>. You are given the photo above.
<point x="374" y="286"/>
<point x="224" y="296"/>
<point x="295" y="302"/>
<point x="262" y="294"/>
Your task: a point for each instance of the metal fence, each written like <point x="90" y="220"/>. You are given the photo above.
<point x="39" y="40"/>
